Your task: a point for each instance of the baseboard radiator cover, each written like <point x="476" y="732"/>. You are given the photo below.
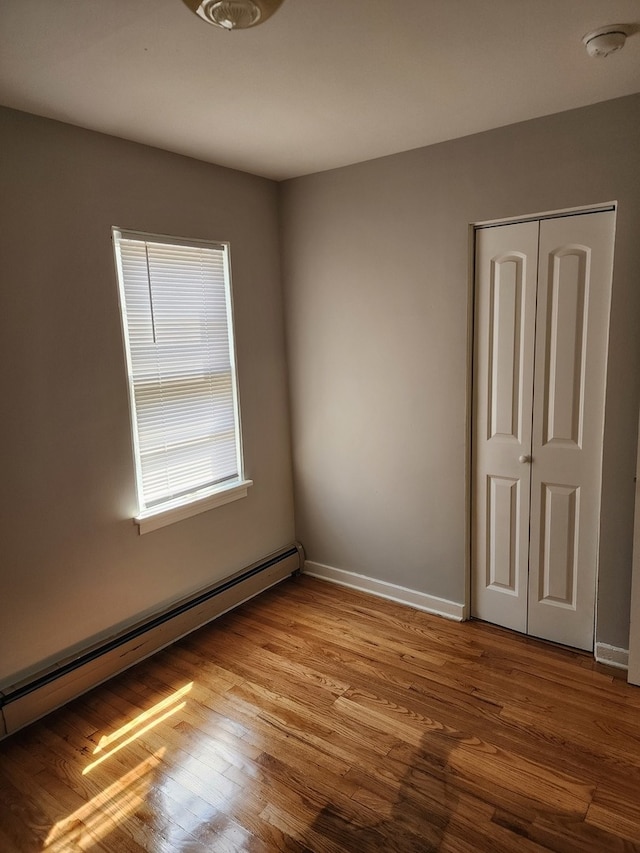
<point x="26" y="701"/>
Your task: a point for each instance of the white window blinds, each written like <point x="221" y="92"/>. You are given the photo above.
<point x="177" y="320"/>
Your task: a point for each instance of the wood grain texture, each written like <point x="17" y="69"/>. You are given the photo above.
<point x="317" y="718"/>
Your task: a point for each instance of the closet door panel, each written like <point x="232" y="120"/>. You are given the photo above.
<point x="506" y="262"/>
<point x="574" y="285"/>
<point x="565" y="341"/>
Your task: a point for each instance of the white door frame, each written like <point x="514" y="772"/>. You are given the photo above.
<point x="634" y="633"/>
<point x="471" y="296"/>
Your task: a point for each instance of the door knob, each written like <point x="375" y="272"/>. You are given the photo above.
<point x="525" y="459"/>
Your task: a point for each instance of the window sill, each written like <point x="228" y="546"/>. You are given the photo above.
<point x="194" y="504"/>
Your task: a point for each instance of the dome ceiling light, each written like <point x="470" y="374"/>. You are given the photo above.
<point x="233" y="14"/>
<point x="605" y="40"/>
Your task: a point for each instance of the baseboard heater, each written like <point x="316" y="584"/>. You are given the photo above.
<point x="26" y="701"/>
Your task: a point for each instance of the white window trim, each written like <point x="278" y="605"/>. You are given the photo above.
<point x="192" y="504"/>
<point x="210" y="497"/>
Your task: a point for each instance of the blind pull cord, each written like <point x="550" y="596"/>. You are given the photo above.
<point x="153" y="319"/>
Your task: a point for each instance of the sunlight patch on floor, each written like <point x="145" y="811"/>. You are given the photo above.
<point x="137" y="726"/>
<point x="105" y="740"/>
<point x="104" y="812"/>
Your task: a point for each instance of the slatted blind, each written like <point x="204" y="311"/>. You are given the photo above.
<point x="177" y="320"/>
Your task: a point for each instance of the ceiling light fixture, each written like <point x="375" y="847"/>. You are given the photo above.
<point x="606" y="40"/>
<point x="233" y="14"/>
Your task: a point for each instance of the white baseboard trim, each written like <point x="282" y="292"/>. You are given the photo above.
<point x="612" y="655"/>
<point x="383" y="589"/>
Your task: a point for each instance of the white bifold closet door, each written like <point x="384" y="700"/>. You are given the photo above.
<point x="541" y="335"/>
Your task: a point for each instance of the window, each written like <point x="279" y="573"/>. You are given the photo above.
<point x="175" y="300"/>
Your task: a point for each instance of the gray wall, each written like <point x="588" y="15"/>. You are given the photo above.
<point x="72" y="565"/>
<point x="377" y="298"/>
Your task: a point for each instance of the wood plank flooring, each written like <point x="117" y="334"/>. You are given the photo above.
<point x="319" y="718"/>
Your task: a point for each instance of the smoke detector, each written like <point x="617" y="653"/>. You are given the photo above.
<point x="606" y="40"/>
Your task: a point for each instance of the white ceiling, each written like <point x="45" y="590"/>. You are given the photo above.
<point x="323" y="83"/>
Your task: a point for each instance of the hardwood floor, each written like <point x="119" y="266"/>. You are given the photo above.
<point x="318" y="718"/>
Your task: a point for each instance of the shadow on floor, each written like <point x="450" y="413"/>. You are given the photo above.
<point x="412" y="799"/>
